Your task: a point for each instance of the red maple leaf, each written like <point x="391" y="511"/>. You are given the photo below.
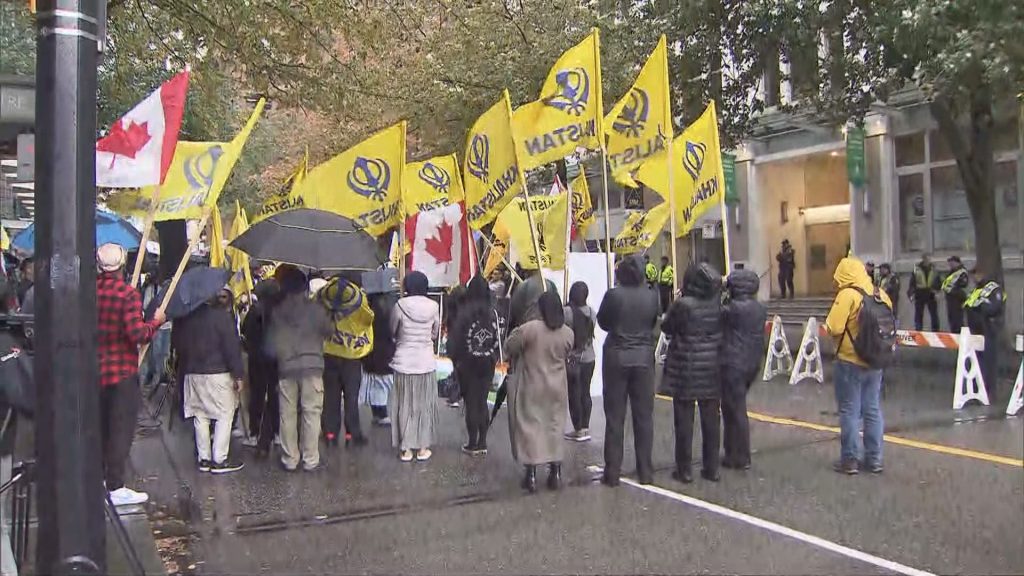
<point x="440" y="246"/>
<point x="124" y="142"/>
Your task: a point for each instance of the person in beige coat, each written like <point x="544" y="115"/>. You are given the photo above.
<point x="538" y="392"/>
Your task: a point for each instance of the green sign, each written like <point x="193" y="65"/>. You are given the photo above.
<point x="855" y="167"/>
<point x="732" y="195"/>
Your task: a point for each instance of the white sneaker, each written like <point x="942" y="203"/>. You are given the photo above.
<point x="125" y="496"/>
<point x="385" y="421"/>
<point x="238" y="433"/>
<point x="250" y="441"/>
<point x="277" y="440"/>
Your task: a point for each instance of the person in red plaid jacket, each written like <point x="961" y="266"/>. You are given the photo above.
<point x="120" y="330"/>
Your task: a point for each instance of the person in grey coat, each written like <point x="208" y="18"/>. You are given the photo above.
<point x="296" y="333"/>
<point x="743" y="320"/>
<point x="694" y="328"/>
<point x="628" y="314"/>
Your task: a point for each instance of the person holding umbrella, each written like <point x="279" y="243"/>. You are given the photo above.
<point x="298" y="329"/>
<point x="210" y="355"/>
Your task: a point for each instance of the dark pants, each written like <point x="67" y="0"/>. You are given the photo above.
<point x="955" y="313"/>
<point x="786" y="282"/>
<point x="263" y="402"/>
<point x="342" y="378"/>
<point x="988" y="362"/>
<point x="119" y="407"/>
<point x="475" y="382"/>
<point x="635" y="385"/>
<point x="665" y="294"/>
<point x="709" y="418"/>
<point x="736" y="437"/>
<point x="921" y="300"/>
<point x="580" y="402"/>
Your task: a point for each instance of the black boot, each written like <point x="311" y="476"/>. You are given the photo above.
<point x="530" y="480"/>
<point x="554" y="476"/>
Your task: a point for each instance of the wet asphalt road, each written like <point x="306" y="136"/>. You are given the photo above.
<point x="370" y="513"/>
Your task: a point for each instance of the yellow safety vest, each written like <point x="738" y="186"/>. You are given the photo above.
<point x="651" y="272"/>
<point x="924" y="281"/>
<point x="952" y="279"/>
<point x="668" y="274"/>
<point x="981" y="295"/>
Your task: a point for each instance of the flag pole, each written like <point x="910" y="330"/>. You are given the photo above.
<point x="146" y="231"/>
<point x="526" y="195"/>
<point x="568" y="237"/>
<point x="511" y="269"/>
<point x="607" y="216"/>
<point x="672" y="221"/>
<point x="721" y="182"/>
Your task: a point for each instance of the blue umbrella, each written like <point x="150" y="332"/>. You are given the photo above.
<point x="110" y="229"/>
<point x="196" y="286"/>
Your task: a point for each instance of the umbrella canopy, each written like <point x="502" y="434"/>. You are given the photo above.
<point x="196" y="286"/>
<point x="110" y="229"/>
<point x="313" y="238"/>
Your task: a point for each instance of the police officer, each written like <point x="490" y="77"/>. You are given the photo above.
<point x="923" y="285"/>
<point x="955" y="288"/>
<point x="890" y="283"/>
<point x="665" y="280"/>
<point x="650" y="272"/>
<point x="985" y="308"/>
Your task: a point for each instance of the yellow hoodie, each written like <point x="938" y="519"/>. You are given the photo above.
<point x="842" y="318"/>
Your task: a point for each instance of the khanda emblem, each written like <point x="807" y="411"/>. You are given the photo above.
<point x="370" y="177"/>
<point x="693" y="158"/>
<point x="633" y="118"/>
<point x="638" y="226"/>
<point x="437" y="177"/>
<point x="574" y="91"/>
<point x="478" y="157"/>
<point x="200" y="168"/>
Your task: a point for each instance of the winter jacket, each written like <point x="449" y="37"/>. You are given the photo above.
<point x="743" y="320"/>
<point x="628" y="313"/>
<point x="378" y="361"/>
<point x="207" y="342"/>
<point x="985" y="308"/>
<point x="842" y="323"/>
<point x="694" y="326"/>
<point x="473" y="337"/>
<point x="297" y="330"/>
<point x="414" y="325"/>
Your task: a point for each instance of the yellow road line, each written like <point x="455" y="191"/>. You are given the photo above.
<point x="940" y="448"/>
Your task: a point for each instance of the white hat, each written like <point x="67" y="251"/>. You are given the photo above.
<point x="111" y="257"/>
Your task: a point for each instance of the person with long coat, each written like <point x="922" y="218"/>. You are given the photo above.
<point x="413" y="403"/>
<point x="743" y="345"/>
<point x="694" y="328"/>
<point x="473" y="347"/>
<point x="538" y="391"/>
<point x="628" y="313"/>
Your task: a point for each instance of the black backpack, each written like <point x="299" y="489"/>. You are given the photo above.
<point x="875" y="342"/>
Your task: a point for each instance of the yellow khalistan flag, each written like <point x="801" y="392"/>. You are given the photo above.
<point x="363" y="183"/>
<point x="550" y="218"/>
<point x="288" y="196"/>
<point x="217" y="258"/>
<point x="640" y="124"/>
<point x="641" y="229"/>
<point x="492" y="172"/>
<point x="238" y="261"/>
<point x="582" y="206"/>
<point x="194" y="181"/>
<point x="568" y="113"/>
<point x="697" y="161"/>
<point x="430" y="184"/>
<point x="5" y="240"/>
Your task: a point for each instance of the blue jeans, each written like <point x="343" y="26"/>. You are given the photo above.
<point x="858" y="396"/>
<point x="156" y="358"/>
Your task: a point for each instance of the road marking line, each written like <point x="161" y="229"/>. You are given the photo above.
<point x="780" y="529"/>
<point x="940" y="448"/>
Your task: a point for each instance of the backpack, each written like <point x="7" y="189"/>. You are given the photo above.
<point x="875" y="342"/>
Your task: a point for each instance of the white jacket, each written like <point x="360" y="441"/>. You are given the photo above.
<point x="414" y="324"/>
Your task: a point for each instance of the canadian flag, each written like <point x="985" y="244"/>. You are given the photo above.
<point x="441" y="247"/>
<point x="138" y="148"/>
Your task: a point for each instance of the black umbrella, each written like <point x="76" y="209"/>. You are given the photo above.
<point x="313" y="238"/>
<point x="197" y="286"/>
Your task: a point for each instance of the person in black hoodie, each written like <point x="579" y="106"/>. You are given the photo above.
<point x="264" y="414"/>
<point x="473" y="346"/>
<point x="694" y="328"/>
<point x="628" y="314"/>
<point x="378" y="378"/>
<point x="743" y="320"/>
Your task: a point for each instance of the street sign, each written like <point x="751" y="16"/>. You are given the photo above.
<point x="855" y="167"/>
<point x="732" y="195"/>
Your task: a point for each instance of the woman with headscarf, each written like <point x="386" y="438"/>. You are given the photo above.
<point x="580" y="365"/>
<point x="538" y="391"/>
<point x="473" y="346"/>
<point x="413" y="402"/>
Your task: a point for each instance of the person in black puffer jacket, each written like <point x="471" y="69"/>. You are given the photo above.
<point x="628" y="314"/>
<point x="742" y="349"/>
<point x="693" y="325"/>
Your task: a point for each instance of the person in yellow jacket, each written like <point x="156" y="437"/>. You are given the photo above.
<point x="650" y="272"/>
<point x="666" y="278"/>
<point x="858" y="386"/>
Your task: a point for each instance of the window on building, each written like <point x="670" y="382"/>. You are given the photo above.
<point x="933" y="212"/>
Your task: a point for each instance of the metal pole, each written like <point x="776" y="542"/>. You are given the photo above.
<point x="67" y="427"/>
